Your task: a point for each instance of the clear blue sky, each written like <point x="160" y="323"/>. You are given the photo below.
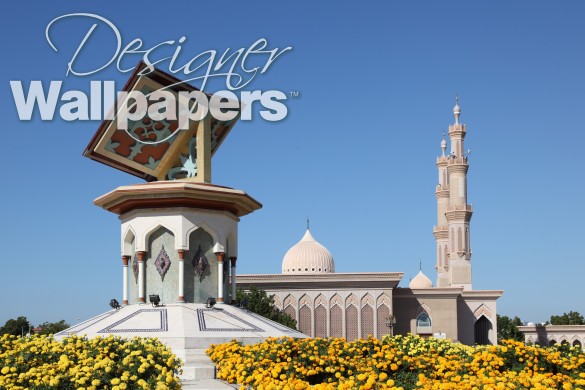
<point x="356" y="153"/>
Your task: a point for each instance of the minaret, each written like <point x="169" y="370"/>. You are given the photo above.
<point x="458" y="212"/>
<point x="441" y="231"/>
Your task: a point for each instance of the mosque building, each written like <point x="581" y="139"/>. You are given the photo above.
<point x="353" y="305"/>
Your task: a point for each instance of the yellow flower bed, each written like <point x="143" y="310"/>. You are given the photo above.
<point x="408" y="362"/>
<point x="40" y="362"/>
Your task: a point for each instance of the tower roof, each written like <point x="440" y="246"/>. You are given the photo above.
<point x="456" y="110"/>
<point x="420" y="281"/>
<point x="308" y="256"/>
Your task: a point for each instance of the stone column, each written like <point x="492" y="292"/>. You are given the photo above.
<point x="220" y="256"/>
<point x="125" y="259"/>
<point x="181" y="275"/>
<point x="233" y="280"/>
<point x="141" y="276"/>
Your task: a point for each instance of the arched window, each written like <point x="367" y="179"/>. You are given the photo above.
<point x="423" y="323"/>
<point x="459" y="239"/>
<point x="423" y="320"/>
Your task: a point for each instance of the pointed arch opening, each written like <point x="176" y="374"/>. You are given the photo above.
<point x="481" y="330"/>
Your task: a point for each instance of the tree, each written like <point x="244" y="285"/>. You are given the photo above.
<point x="16" y="327"/>
<point x="508" y="328"/>
<point x="261" y="303"/>
<point x="53" y="327"/>
<point x="572" y="318"/>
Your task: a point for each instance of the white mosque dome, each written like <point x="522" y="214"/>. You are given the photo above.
<point x="420" y="281"/>
<point x="308" y="256"/>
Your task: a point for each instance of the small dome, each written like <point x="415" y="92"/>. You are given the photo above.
<point x="308" y="256"/>
<point x="420" y="281"/>
<point x="456" y="109"/>
<point x="443" y="143"/>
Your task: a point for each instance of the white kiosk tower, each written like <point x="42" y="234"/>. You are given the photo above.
<point x="178" y="233"/>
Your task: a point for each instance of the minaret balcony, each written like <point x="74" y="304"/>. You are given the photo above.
<point x="442" y="161"/>
<point x="457" y="131"/>
<point x="442" y="187"/>
<point x="459" y="213"/>
<point x="457" y="160"/>
<point x="460" y="207"/>
<point x="441" y="232"/>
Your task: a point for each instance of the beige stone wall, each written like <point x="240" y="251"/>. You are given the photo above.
<point x="554" y="334"/>
<point x="470" y="309"/>
<point x="348" y="313"/>
<point x="442" y="310"/>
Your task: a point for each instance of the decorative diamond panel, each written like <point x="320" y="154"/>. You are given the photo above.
<point x="200" y="262"/>
<point x="162" y="263"/>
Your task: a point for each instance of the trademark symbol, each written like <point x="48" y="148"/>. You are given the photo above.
<point x="294" y="93"/>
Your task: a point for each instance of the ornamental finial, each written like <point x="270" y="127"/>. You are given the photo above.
<point x="456" y="109"/>
<point x="444" y="144"/>
<point x="307" y="223"/>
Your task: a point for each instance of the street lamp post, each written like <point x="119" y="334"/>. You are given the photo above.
<point x="390" y="322"/>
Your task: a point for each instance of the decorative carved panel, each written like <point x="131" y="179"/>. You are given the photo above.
<point x="383" y="313"/>
<point x="351" y="300"/>
<point x="482" y="310"/>
<point x="383" y="299"/>
<point x="291" y="312"/>
<point x="336" y="300"/>
<point x="336" y="321"/>
<point x="320" y="301"/>
<point x="321" y="321"/>
<point x="351" y="322"/>
<point x="367" y="300"/>
<point x="367" y="321"/>
<point x="305" y="301"/>
<point x="290" y="300"/>
<point x="277" y="303"/>
<point x="305" y="320"/>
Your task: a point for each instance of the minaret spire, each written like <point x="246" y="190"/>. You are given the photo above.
<point x="456" y="109"/>
<point x="307" y="223"/>
<point x="443" y="144"/>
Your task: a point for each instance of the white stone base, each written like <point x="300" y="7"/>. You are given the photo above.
<point x="187" y="328"/>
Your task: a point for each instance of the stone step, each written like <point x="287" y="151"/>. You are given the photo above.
<point x="198" y="372"/>
<point x="207" y="384"/>
<point x="196" y="356"/>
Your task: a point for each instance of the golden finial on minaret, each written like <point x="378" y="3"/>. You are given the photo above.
<point x="456" y="109"/>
